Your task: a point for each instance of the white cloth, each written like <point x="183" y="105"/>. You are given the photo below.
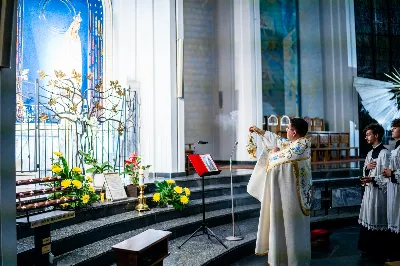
<point x="281" y="181"/>
<point x="393" y="193"/>
<point x="373" y="212"/>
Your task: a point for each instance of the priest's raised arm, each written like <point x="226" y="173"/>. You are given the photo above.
<point x="270" y="139"/>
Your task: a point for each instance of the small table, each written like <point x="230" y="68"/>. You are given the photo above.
<point x="149" y="248"/>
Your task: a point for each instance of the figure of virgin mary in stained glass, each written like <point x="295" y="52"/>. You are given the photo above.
<point x="70" y="53"/>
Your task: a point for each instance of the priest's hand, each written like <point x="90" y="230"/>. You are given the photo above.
<point x="387" y="172"/>
<point x="371" y="165"/>
<point x="275" y="149"/>
<point x="257" y="130"/>
<point x="366" y="179"/>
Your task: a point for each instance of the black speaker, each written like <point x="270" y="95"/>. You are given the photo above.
<point x="7" y="15"/>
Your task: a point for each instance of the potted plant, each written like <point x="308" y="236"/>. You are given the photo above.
<point x="96" y="169"/>
<point x="74" y="184"/>
<point x="168" y="193"/>
<point x="135" y="170"/>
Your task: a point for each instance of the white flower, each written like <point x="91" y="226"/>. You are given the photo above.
<point x="141" y="171"/>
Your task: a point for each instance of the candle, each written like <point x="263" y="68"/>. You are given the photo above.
<point x="141" y="180"/>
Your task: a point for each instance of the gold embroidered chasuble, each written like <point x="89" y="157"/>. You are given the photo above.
<point x="282" y="182"/>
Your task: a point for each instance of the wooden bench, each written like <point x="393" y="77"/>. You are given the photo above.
<point x="36" y="209"/>
<point x="392" y="263"/>
<point x="327" y="153"/>
<point x="149" y="248"/>
<point x="337" y="164"/>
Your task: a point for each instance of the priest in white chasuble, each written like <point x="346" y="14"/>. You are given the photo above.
<point x="393" y="195"/>
<point x="373" y="212"/>
<point x="282" y="182"/>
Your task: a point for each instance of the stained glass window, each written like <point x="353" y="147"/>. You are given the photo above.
<point x="279" y="52"/>
<point x="56" y="35"/>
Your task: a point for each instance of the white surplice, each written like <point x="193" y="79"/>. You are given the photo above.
<point x="373" y="212"/>
<point x="393" y="193"/>
<point x="282" y="182"/>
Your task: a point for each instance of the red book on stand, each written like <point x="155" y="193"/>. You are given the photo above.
<point x="204" y="164"/>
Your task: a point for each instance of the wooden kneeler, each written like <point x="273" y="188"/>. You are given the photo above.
<point x="392" y="263"/>
<point x="149" y="248"/>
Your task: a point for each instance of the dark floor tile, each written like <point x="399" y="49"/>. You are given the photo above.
<point x="342" y="250"/>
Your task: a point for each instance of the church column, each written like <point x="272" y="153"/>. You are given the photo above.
<point x="339" y="63"/>
<point x="340" y="66"/>
<point x="168" y="110"/>
<point x="8" y="235"/>
<point x="247" y="70"/>
<point x="145" y="47"/>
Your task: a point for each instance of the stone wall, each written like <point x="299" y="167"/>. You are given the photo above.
<point x="199" y="73"/>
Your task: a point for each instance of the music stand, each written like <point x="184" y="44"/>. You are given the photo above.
<point x="204" y="166"/>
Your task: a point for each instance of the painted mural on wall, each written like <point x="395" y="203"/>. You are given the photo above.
<point x="279" y="57"/>
<point x="58" y="35"/>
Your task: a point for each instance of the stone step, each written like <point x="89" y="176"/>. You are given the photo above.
<point x="77" y="235"/>
<point x="105" y="209"/>
<point x="100" y="252"/>
<point x="238" y="176"/>
<point x="218" y="190"/>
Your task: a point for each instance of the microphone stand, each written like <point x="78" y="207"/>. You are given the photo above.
<point x="233" y="237"/>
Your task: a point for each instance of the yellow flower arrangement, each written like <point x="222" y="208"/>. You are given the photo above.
<point x="66" y="183"/>
<point x="169" y="193"/>
<point x="79" y="186"/>
<point x="89" y="179"/>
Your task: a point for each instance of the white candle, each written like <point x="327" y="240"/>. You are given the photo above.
<point x="141" y="180"/>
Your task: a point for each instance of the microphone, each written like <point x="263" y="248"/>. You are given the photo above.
<point x="199" y="142"/>
<point x="234" y="146"/>
<point x="233" y="237"/>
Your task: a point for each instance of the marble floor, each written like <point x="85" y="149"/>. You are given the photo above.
<point x="342" y="251"/>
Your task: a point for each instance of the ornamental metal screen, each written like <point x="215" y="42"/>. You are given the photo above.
<point x="39" y="134"/>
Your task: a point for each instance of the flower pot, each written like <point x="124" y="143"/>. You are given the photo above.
<point x="131" y="190"/>
<point x="98" y="181"/>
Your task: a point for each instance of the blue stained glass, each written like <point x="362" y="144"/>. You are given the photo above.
<point x="279" y="57"/>
<point x="47" y="40"/>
